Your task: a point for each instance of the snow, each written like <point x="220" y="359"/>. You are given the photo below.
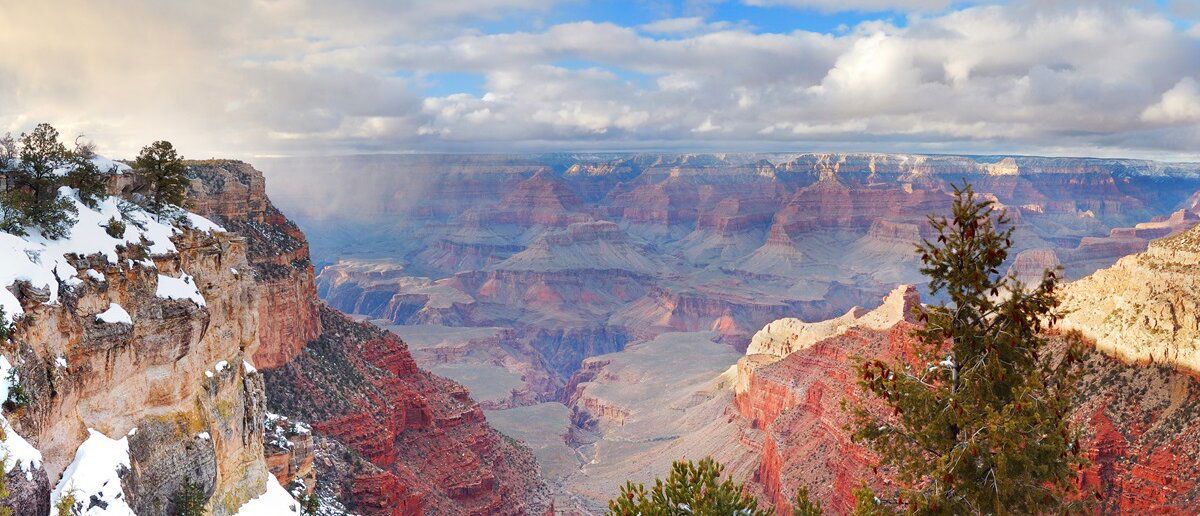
<point x="204" y="435"/>
<point x="246" y="366"/>
<point x="17" y="451"/>
<point x="105" y="164"/>
<point x="94" y="476"/>
<point x="42" y="263"/>
<point x="95" y="274"/>
<point x="275" y="501"/>
<point x="5" y="385"/>
<point x="208" y="374"/>
<point x="115" y="314"/>
<point x="203" y="224"/>
<point x="183" y="287"/>
<point x="222" y="365"/>
<point x="60" y="361"/>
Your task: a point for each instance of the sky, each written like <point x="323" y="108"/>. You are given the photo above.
<point x="252" y="78"/>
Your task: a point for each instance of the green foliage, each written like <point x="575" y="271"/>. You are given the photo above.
<point x="978" y="420"/>
<point x="805" y="507"/>
<point x="115" y="228"/>
<point x="18" y="397"/>
<point x="6" y="328"/>
<point x="161" y="168"/>
<point x="190" y="499"/>
<point x="86" y="177"/>
<point x="65" y="504"/>
<point x="36" y="169"/>
<point x="309" y="504"/>
<point x="689" y="489"/>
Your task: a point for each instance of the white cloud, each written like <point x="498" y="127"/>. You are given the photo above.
<point x="686" y="25"/>
<point x="1179" y="105"/>
<point x="294" y="76"/>
<point x="859" y="5"/>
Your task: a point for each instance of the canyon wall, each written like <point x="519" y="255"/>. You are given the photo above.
<point x="412" y="442"/>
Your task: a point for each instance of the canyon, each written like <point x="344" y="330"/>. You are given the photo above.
<point x="192" y="353"/>
<point x="616" y="312"/>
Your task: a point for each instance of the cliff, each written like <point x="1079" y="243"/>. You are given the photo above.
<point x="134" y="353"/>
<point x="1146" y="307"/>
<point x="234" y="194"/>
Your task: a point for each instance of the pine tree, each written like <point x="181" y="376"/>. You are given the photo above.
<point x="161" y="168"/>
<point x="84" y="176"/>
<point x="978" y="420"/>
<point x="190" y="499"/>
<point x="689" y="489"/>
<point x="32" y="198"/>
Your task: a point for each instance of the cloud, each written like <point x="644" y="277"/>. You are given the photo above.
<point x="230" y="77"/>
<point x="1179" y="105"/>
<point x="686" y="25"/>
<point x="860" y="5"/>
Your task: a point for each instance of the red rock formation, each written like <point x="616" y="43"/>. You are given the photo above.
<point x="1141" y="426"/>
<point x="233" y="194"/>
<point x="359" y="385"/>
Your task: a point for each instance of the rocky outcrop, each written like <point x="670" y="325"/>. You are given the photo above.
<point x="234" y="194"/>
<point x="1146" y="307"/>
<point x="428" y="439"/>
<point x="151" y="339"/>
<point x="1139" y="423"/>
<point x="786" y="336"/>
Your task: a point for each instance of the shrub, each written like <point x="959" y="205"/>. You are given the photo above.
<point x="689" y="489"/>
<point x="36" y="171"/>
<point x="65" y="504"/>
<point x="805" y="507"/>
<point x="17" y="396"/>
<point x="189" y="500"/>
<point x="115" y="228"/>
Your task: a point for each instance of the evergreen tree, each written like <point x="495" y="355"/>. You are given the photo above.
<point x="802" y="506"/>
<point x="689" y="489"/>
<point x="84" y="176"/>
<point x="162" y="170"/>
<point x="978" y="420"/>
<point x="190" y="499"/>
<point x="32" y="198"/>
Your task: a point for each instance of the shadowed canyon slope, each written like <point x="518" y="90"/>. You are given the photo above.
<point x="560" y="287"/>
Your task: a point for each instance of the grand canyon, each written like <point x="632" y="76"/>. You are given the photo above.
<point x="618" y="312"/>
<point x="583" y="257"/>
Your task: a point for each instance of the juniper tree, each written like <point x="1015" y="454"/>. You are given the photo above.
<point x="977" y="420"/>
<point x="85" y="176"/>
<point x="32" y="197"/>
<point x="161" y="169"/>
<point x="690" y="488"/>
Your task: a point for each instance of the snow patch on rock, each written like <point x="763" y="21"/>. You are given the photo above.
<point x="115" y="314"/>
<point x="183" y="287"/>
<point x="95" y="476"/>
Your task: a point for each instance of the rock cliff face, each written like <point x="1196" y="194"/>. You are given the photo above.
<point x="1146" y="307"/>
<point x="234" y="194"/>
<point x="140" y="350"/>
<point x="428" y="440"/>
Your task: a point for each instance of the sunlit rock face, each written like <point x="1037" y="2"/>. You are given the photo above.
<point x="1146" y="307"/>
